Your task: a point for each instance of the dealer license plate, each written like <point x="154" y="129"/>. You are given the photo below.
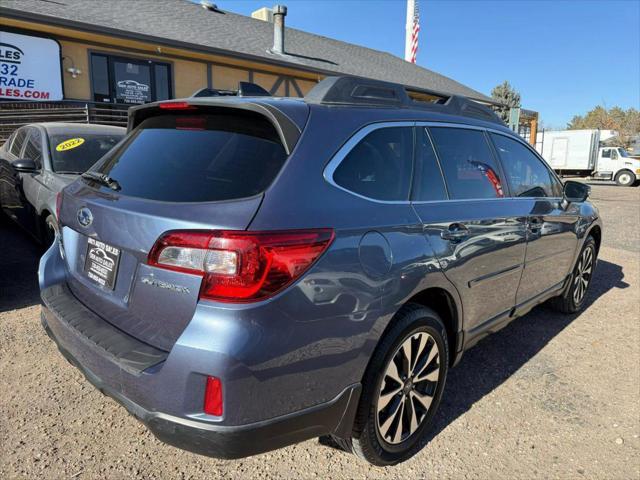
<point x="101" y="264"/>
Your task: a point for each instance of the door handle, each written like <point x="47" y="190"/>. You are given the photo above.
<point x="534" y="225"/>
<point x="455" y="232"/>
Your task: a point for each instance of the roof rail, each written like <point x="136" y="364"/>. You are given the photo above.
<point x="348" y="90"/>
<point x="245" y="89"/>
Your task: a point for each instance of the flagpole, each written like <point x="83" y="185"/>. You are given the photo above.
<point x="409" y="30"/>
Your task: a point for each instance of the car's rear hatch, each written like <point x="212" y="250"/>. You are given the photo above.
<point x="191" y="168"/>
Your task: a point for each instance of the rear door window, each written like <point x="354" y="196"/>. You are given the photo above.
<point x="428" y="184"/>
<point x="470" y="169"/>
<point x="527" y="175"/>
<point x="197" y="157"/>
<point x="380" y="165"/>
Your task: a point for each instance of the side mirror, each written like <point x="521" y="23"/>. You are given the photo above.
<point x="25" y="165"/>
<point x="575" y="192"/>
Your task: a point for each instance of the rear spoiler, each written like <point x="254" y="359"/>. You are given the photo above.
<point x="287" y="130"/>
<point x="245" y="89"/>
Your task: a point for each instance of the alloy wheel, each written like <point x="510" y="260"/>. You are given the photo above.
<point x="407" y="388"/>
<point x="583" y="275"/>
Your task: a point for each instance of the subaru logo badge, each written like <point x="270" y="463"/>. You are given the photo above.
<point x="85" y="217"/>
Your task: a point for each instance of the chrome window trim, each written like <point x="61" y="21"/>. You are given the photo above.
<point x="344" y="150"/>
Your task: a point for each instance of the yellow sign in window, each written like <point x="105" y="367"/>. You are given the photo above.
<point x="69" y="144"/>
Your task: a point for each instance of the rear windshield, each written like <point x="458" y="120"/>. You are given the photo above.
<point x="197" y="157"/>
<point x="77" y="152"/>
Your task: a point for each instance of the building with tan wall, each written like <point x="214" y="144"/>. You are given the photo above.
<point x="190" y="47"/>
<point x="113" y="54"/>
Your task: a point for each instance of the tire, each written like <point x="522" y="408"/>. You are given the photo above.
<point x="420" y="331"/>
<point x="573" y="298"/>
<point x="625" y="178"/>
<point x="49" y="230"/>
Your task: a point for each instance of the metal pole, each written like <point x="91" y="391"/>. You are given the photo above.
<point x="279" y="12"/>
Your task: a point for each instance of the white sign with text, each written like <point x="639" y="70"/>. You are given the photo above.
<point x="29" y="68"/>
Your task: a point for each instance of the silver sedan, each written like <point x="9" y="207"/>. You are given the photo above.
<point x="40" y="159"/>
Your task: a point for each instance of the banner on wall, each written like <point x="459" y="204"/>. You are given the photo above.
<point x="29" y="68"/>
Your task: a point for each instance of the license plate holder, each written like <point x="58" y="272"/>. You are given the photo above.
<point x="101" y="263"/>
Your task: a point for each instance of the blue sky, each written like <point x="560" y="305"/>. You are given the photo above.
<point x="564" y="57"/>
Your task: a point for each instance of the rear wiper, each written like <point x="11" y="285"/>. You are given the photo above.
<point x="103" y="179"/>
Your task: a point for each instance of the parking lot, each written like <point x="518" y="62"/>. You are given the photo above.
<point x="550" y="396"/>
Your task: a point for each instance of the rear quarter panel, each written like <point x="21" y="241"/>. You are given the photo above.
<point x="335" y="315"/>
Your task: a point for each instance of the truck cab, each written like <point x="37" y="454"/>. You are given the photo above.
<point x="584" y="153"/>
<point x="616" y="164"/>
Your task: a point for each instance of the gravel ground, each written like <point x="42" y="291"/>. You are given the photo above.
<point x="550" y="396"/>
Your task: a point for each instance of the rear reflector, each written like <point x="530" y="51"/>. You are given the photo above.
<point x="213" y="397"/>
<point x="239" y="266"/>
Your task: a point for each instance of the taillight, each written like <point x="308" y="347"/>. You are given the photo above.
<point x="176" y="106"/>
<point x="58" y="206"/>
<point x="213" y="397"/>
<point x="238" y="266"/>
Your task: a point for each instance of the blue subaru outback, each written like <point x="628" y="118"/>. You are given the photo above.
<point x="243" y="273"/>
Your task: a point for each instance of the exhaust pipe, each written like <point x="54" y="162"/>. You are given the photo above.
<point x="279" y="12"/>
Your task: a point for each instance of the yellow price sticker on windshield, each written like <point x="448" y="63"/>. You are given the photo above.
<point x="69" y="144"/>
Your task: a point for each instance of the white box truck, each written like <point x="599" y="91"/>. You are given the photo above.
<point x="581" y="152"/>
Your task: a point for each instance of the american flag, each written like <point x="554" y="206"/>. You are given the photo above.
<point x="413" y="29"/>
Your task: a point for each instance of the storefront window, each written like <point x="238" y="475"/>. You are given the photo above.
<point x="133" y="82"/>
<point x="130" y="81"/>
<point x="100" y="78"/>
<point x="163" y="91"/>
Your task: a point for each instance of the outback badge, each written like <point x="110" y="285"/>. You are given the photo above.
<point x="147" y="280"/>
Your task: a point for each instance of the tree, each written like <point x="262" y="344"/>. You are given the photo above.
<point x="625" y="122"/>
<point x="508" y="97"/>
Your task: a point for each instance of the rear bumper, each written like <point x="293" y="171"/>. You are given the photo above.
<point x="334" y="417"/>
<point x="165" y="390"/>
<point x="284" y="378"/>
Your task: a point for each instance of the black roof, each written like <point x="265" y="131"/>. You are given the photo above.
<point x="184" y="24"/>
